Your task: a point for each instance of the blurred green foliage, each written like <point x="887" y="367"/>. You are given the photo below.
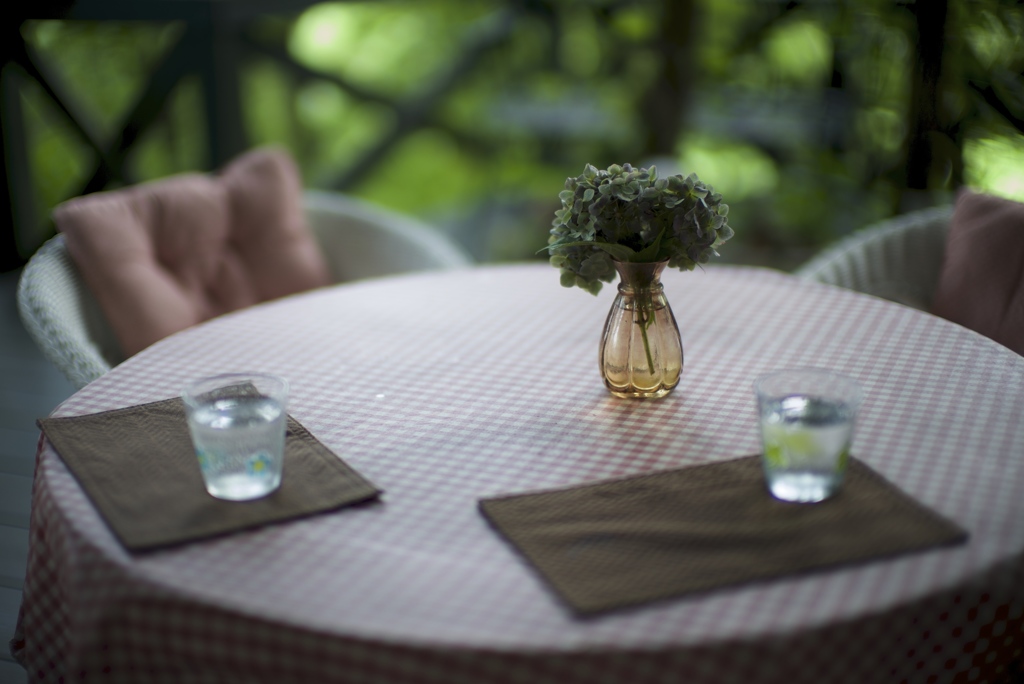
<point x="101" y="67"/>
<point x="797" y="113"/>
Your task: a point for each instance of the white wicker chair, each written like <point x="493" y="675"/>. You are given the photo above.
<point x="898" y="259"/>
<point x="359" y="241"/>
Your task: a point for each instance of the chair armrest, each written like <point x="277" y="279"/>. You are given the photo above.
<point x="63" y="318"/>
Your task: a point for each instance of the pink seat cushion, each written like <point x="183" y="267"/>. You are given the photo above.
<point x="981" y="285"/>
<point x="162" y="256"/>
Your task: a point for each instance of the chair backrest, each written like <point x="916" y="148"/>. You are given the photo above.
<point x="357" y="239"/>
<point x="899" y="259"/>
<point x="362" y="240"/>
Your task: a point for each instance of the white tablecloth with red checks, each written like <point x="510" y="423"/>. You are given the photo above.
<point x="444" y="388"/>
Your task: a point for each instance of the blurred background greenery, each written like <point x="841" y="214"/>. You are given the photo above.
<point x="812" y="118"/>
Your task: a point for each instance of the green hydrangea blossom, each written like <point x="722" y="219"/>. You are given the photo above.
<point x="629" y="214"/>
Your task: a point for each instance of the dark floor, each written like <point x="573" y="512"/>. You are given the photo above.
<point x="30" y="387"/>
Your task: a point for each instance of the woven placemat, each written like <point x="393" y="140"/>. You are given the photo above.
<point x="139" y="468"/>
<point x="624" y="542"/>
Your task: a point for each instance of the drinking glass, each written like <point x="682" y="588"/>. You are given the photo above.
<point x="807" y="417"/>
<point x="237" y="422"/>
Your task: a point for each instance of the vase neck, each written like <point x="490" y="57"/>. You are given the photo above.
<point x="639" y="276"/>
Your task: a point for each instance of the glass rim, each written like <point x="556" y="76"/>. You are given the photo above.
<point x="853" y="390"/>
<point x="192" y="392"/>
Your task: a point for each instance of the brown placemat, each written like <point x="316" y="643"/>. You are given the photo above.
<point x="619" y="543"/>
<point x="138" y="467"/>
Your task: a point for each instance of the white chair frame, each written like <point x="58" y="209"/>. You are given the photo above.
<point x="899" y="259"/>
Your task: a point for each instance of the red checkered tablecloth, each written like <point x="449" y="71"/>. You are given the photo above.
<point x="443" y="388"/>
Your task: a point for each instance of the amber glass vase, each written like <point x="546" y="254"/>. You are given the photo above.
<point x="641" y="350"/>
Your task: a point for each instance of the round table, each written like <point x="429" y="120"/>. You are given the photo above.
<point x="445" y="388"/>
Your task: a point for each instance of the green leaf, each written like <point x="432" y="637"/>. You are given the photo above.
<point x="617" y="252"/>
<point x="650" y="252"/>
<point x="595" y="266"/>
<point x="588" y="194"/>
<point x="554" y="244"/>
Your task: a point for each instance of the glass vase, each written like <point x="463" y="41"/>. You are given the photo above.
<point x="641" y="350"/>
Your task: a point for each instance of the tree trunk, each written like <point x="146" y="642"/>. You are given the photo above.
<point x="928" y="162"/>
<point x="665" y="104"/>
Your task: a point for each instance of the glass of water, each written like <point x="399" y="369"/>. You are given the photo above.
<point x="237" y="422"/>
<point x="807" y="417"/>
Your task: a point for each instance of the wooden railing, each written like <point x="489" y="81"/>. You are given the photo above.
<point x="215" y="43"/>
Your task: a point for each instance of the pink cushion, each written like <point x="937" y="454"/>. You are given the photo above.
<point x="981" y="285"/>
<point x="163" y="256"/>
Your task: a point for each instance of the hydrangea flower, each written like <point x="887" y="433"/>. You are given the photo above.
<point x="629" y="214"/>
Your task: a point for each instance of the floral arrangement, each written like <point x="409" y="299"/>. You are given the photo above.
<point x="632" y="215"/>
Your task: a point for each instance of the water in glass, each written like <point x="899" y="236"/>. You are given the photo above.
<point x="240" y="445"/>
<point x="806" y="446"/>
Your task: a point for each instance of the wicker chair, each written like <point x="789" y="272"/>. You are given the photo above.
<point x="358" y="240"/>
<point x="898" y="259"/>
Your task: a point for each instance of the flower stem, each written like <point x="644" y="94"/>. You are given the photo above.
<point x="644" y="312"/>
<point x="647" y="348"/>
